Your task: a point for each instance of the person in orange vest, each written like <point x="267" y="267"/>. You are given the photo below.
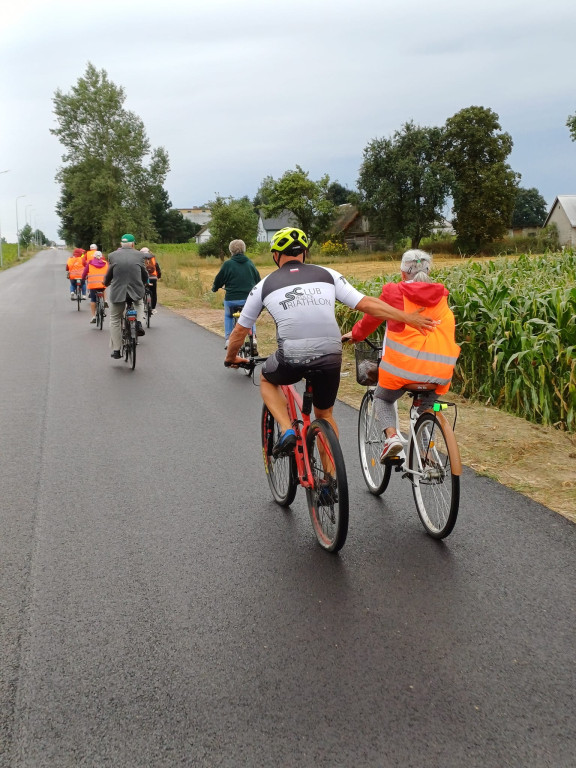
<point x="75" y="269"/>
<point x="94" y="274"/>
<point x="154" y="274"/>
<point x="409" y="356"/>
<point x="90" y="252"/>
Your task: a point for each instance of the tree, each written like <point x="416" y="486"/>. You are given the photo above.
<point x="339" y="194"/>
<point x="530" y="209"/>
<point x="307" y="200"/>
<point x="232" y="219"/>
<point x="25" y="236"/>
<point x="170" y="224"/>
<point x="106" y="187"/>
<point x="571" y="123"/>
<point x="484" y="187"/>
<point x="404" y="183"/>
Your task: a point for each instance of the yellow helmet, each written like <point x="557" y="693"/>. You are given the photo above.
<point x="289" y="241"/>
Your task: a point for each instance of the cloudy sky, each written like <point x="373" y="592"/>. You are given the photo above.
<point x="236" y="90"/>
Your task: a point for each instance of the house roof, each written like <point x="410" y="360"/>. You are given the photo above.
<point x="285" y="219"/>
<point x="202" y="229"/>
<point x="347" y="214"/>
<point x="568" y="204"/>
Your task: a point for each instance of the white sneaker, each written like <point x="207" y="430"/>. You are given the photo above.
<point x="93" y="320"/>
<point x="392" y="447"/>
<point x="226" y="345"/>
<point x="154" y="311"/>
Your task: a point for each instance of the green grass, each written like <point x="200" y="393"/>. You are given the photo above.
<point x="9" y="254"/>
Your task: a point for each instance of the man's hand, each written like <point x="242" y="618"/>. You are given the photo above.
<point x="236" y="362"/>
<point x="347" y="336"/>
<point x="419" y="321"/>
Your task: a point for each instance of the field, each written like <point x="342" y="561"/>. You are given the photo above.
<point x="537" y="460"/>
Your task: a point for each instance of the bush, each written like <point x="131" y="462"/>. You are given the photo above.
<point x="334" y="248"/>
<point x="209" y="248"/>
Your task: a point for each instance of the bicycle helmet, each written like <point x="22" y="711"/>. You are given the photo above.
<point x="290" y="242"/>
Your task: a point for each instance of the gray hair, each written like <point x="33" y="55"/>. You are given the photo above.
<point x="415" y="261"/>
<point x="237" y="246"/>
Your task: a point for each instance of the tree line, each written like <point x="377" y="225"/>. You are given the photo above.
<point x="112" y="181"/>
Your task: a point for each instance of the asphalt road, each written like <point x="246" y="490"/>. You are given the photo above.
<point x="158" y="609"/>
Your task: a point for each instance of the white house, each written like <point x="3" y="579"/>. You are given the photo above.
<point x="268" y="227"/>
<point x="197" y="215"/>
<point x="563" y="214"/>
<point x="203" y="235"/>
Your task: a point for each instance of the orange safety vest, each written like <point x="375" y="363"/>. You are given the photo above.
<point x="412" y="357"/>
<point x="151" y="266"/>
<point x="76" y="267"/>
<point x="89" y="255"/>
<point x="95" y="277"/>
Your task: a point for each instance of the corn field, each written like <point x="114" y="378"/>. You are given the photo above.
<point x="516" y="324"/>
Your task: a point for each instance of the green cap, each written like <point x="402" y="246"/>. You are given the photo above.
<point x="127" y="239"/>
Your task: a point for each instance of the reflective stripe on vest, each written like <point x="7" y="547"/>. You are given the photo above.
<point x="421" y="355"/>
<point x="95" y="278"/>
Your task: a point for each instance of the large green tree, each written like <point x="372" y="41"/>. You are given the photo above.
<point x="484" y="186"/>
<point x="404" y="183"/>
<point x="170" y="224"/>
<point x="232" y="219"/>
<point x="530" y="208"/>
<point x="109" y="173"/>
<point x="307" y="200"/>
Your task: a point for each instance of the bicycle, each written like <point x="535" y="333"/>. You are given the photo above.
<point x="249" y="348"/>
<point x="78" y="292"/>
<point x="100" y="313"/>
<point x="316" y="464"/>
<point x="432" y="461"/>
<point x="147" y="305"/>
<point x="129" y="331"/>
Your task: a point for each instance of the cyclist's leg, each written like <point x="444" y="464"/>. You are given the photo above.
<point x="116" y="311"/>
<point x="83" y="288"/>
<point x="93" y="302"/>
<point x="154" y="292"/>
<point x="387" y="420"/>
<point x="275" y="373"/>
<point x="139" y="307"/>
<point x="325" y="386"/>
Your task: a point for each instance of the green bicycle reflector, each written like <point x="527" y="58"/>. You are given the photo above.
<point x="439" y="407"/>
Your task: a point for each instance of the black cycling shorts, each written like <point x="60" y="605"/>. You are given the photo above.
<point x="325" y="381"/>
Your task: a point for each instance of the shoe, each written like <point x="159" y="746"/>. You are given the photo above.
<point x="116" y="354"/>
<point x="93" y="320"/>
<point x="72" y="297"/>
<point x="83" y="298"/>
<point x="226" y="345"/>
<point x="139" y="330"/>
<point x="327" y="492"/>
<point x="105" y="305"/>
<point x="392" y="447"/>
<point x="285" y="444"/>
<point x="154" y="311"/>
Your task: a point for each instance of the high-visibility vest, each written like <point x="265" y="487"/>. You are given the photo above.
<point x="151" y="266"/>
<point x="76" y="267"/>
<point x="95" y="277"/>
<point x="89" y="255"/>
<point x="412" y="357"/>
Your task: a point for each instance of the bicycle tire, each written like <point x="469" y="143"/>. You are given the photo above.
<point x="78" y="298"/>
<point x="133" y="352"/>
<point x="148" y="310"/>
<point x="281" y="471"/>
<point x="437" y="493"/>
<point x="370" y="444"/>
<point x="329" y="520"/>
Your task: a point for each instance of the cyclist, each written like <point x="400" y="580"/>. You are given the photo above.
<point x="238" y="276"/>
<point x="91" y="251"/>
<point x="94" y="274"/>
<point x="409" y="357"/>
<point x="126" y="276"/>
<point x="301" y="299"/>
<point x="74" y="270"/>
<point x="154" y="274"/>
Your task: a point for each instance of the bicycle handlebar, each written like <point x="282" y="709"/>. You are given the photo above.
<point x="252" y="361"/>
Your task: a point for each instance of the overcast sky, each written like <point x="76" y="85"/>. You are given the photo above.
<point x="236" y="90"/>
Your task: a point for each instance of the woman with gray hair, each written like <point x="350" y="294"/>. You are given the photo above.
<point x="409" y="356"/>
<point x="237" y="276"/>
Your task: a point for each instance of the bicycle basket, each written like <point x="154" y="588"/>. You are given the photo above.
<point x="367" y="360"/>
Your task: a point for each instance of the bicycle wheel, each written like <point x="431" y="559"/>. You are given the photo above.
<point x="435" y="461"/>
<point x="148" y="309"/>
<point x="281" y="471"/>
<point x="328" y="499"/>
<point x="100" y="314"/>
<point x="370" y="443"/>
<point x="78" y="297"/>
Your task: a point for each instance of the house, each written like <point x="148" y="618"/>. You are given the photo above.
<point x="353" y="228"/>
<point x="197" y="215"/>
<point x="563" y="214"/>
<point x="203" y="235"/>
<point x="268" y="227"/>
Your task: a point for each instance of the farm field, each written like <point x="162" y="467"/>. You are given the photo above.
<point x="537" y="461"/>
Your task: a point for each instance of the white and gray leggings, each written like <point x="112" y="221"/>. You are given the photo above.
<point x="385" y="402"/>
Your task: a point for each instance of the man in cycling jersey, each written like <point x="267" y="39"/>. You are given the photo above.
<point x="301" y="299"/>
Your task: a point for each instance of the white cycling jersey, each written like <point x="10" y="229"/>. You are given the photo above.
<point x="301" y="298"/>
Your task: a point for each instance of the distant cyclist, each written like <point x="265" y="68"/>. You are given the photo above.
<point x="238" y="276"/>
<point x="91" y="251"/>
<point x="75" y="269"/>
<point x="126" y="276"/>
<point x="301" y="298"/>
<point x="154" y="274"/>
<point x="94" y="274"/>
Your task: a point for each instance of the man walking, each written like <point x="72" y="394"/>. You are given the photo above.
<point x="126" y="277"/>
